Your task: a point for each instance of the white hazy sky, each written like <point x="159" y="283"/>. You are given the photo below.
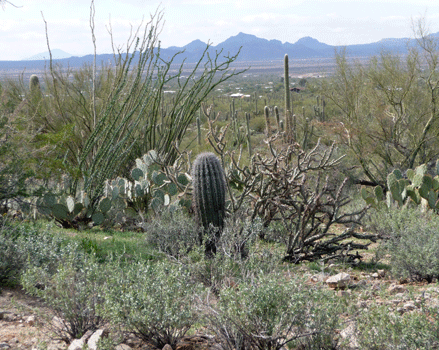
<point x="334" y="22"/>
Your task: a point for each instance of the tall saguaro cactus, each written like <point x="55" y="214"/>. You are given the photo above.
<point x="288" y="109"/>
<point x="209" y="194"/>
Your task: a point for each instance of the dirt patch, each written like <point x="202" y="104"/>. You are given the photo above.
<point x="20" y="325"/>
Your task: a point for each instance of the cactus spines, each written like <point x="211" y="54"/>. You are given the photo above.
<point x="34" y="83"/>
<point x="249" y="146"/>
<point x="209" y="194"/>
<point x="288" y="109"/>
<point x="267" y="121"/>
<point x="198" y="131"/>
<point x="276" y="112"/>
<point x="256" y="104"/>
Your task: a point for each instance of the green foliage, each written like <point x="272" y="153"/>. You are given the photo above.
<point x="74" y="213"/>
<point x="385" y="109"/>
<point x="24" y="246"/>
<point x="377" y="328"/>
<point x="413" y="243"/>
<point x="98" y="121"/>
<point x="238" y="257"/>
<point x="156" y="302"/>
<point x="172" y="233"/>
<point x="73" y="293"/>
<point x="16" y="163"/>
<point x="419" y="188"/>
<point x="122" y="199"/>
<point x="12" y="260"/>
<point x="273" y="311"/>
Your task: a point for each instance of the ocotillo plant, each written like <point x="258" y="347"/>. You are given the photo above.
<point x="209" y="195"/>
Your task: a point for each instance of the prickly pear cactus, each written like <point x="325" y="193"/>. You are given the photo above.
<point x="417" y="188"/>
<point x="209" y="190"/>
<point x="73" y="212"/>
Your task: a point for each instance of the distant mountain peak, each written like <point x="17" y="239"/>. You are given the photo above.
<point x="195" y="45"/>
<point x="311" y="43"/>
<point x="243" y="38"/>
<point x="56" y="54"/>
<point x="307" y="39"/>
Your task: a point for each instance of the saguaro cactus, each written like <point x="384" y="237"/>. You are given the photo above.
<point x="209" y="195"/>
<point x="34" y="83"/>
<point x="267" y="121"/>
<point x="249" y="145"/>
<point x="288" y="109"/>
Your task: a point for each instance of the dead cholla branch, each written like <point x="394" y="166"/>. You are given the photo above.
<point x="287" y="186"/>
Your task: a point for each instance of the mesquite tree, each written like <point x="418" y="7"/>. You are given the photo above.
<point x="387" y="110"/>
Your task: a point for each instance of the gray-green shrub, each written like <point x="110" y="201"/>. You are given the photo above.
<point x="380" y="328"/>
<point x="12" y="260"/>
<point x="73" y="293"/>
<point x="26" y="245"/>
<point x="153" y="301"/>
<point x="272" y="311"/>
<point x="412" y="242"/>
<point x="174" y="234"/>
<point x="238" y="256"/>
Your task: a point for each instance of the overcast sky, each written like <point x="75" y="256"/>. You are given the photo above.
<point x="334" y="22"/>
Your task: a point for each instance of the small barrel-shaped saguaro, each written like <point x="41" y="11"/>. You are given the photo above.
<point x="34" y="82"/>
<point x="209" y="190"/>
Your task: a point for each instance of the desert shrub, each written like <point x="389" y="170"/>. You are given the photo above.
<point x="273" y="311"/>
<point x="16" y="161"/>
<point x="45" y="249"/>
<point x="25" y="245"/>
<point x="155" y="302"/>
<point x="73" y="292"/>
<point x="239" y="256"/>
<point x="174" y="234"/>
<point x="12" y="260"/>
<point x="379" y="328"/>
<point x="413" y="243"/>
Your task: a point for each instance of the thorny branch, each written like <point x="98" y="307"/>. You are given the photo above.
<point x="286" y="186"/>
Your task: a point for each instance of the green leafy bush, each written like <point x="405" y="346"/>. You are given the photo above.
<point x="272" y="311"/>
<point x="155" y="302"/>
<point x="12" y="260"/>
<point x="73" y="292"/>
<point x="174" y="234"/>
<point x="238" y="256"/>
<point x="25" y="245"/>
<point x="379" y="328"/>
<point x="413" y="243"/>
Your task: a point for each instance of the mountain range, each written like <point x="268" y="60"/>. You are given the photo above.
<point x="252" y="49"/>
